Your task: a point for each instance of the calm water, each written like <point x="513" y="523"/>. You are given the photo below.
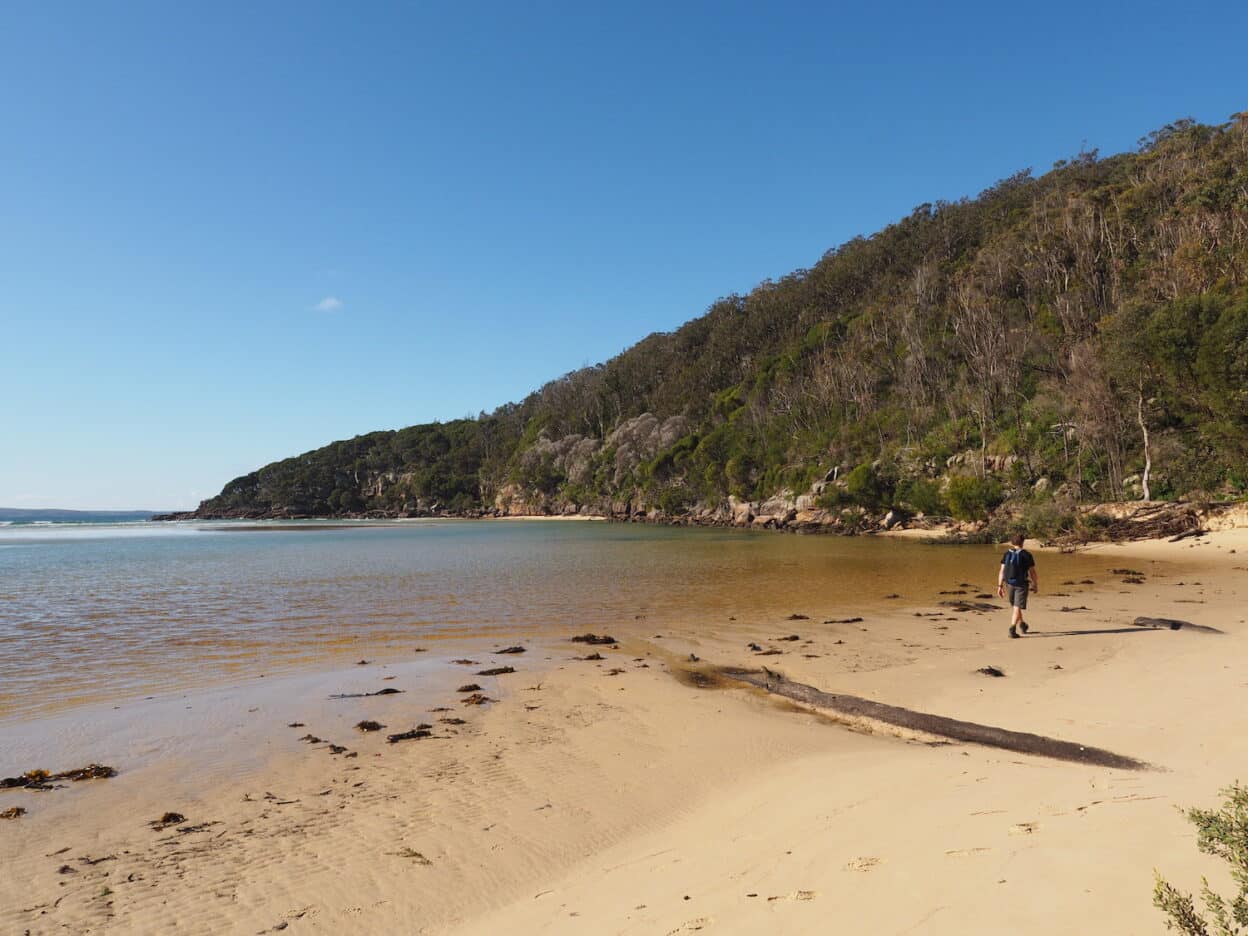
<point x="102" y="612"/>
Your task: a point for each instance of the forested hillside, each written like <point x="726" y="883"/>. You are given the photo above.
<point x="1081" y="336"/>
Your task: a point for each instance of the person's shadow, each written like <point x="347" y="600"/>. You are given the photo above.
<point x="1090" y="632"/>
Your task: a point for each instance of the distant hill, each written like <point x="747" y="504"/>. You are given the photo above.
<point x="1077" y="336"/>
<point x="24" y="515"/>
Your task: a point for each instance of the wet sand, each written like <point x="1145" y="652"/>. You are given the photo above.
<point x="612" y="797"/>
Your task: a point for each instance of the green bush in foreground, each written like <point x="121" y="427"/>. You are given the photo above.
<point x="1222" y="832"/>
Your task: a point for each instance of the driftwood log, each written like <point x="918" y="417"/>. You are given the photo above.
<point x="1172" y="624"/>
<point x="365" y="695"/>
<point x="936" y="725"/>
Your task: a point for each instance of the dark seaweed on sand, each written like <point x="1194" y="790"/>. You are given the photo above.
<point x="42" y="780"/>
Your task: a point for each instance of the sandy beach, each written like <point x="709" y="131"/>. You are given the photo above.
<point x="614" y="795"/>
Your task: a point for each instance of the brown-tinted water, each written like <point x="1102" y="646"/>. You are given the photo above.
<point x="93" y="613"/>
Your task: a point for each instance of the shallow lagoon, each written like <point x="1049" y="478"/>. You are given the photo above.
<point x="92" y="613"/>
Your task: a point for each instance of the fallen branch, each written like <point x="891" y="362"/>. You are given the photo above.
<point x="1155" y="521"/>
<point x="1187" y="534"/>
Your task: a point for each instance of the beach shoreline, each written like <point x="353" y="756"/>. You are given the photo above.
<point x="607" y="796"/>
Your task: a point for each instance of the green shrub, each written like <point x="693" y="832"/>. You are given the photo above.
<point x="862" y="486"/>
<point x="856" y="483"/>
<point x="1222" y="832"/>
<point x="972" y="498"/>
<point x="740" y="473"/>
<point x="870" y="487"/>
<point x="1047" y="520"/>
<point x="675" y="499"/>
<point x="833" y="497"/>
<point x="1019" y="475"/>
<point x="922" y="496"/>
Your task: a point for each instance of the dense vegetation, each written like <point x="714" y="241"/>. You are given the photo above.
<point x="1078" y="336"/>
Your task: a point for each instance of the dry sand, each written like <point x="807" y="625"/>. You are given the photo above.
<point x="591" y="802"/>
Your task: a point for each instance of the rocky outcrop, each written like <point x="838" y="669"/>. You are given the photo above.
<point x="741" y="513"/>
<point x="996" y="464"/>
<point x="578" y="458"/>
<point x="514" y="501"/>
<point x="641" y="439"/>
<point x="777" y="510"/>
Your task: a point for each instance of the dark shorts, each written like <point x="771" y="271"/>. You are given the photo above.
<point x="1017" y="594"/>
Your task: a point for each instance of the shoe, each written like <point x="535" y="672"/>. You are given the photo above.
<point x="1022" y="626"/>
<point x="1013" y="632"/>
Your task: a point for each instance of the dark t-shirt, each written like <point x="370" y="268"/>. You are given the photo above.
<point x="1017" y="562"/>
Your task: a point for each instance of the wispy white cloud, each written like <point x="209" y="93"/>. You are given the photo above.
<point x="328" y="304"/>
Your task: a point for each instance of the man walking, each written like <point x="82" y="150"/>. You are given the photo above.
<point x="1017" y="577"/>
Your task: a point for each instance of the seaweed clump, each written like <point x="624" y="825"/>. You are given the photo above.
<point x="43" y="780"/>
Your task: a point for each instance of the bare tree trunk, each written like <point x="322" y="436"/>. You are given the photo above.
<point x="983" y="443"/>
<point x="1148" y="457"/>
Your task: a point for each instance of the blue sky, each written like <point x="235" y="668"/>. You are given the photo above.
<point x="231" y="233"/>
